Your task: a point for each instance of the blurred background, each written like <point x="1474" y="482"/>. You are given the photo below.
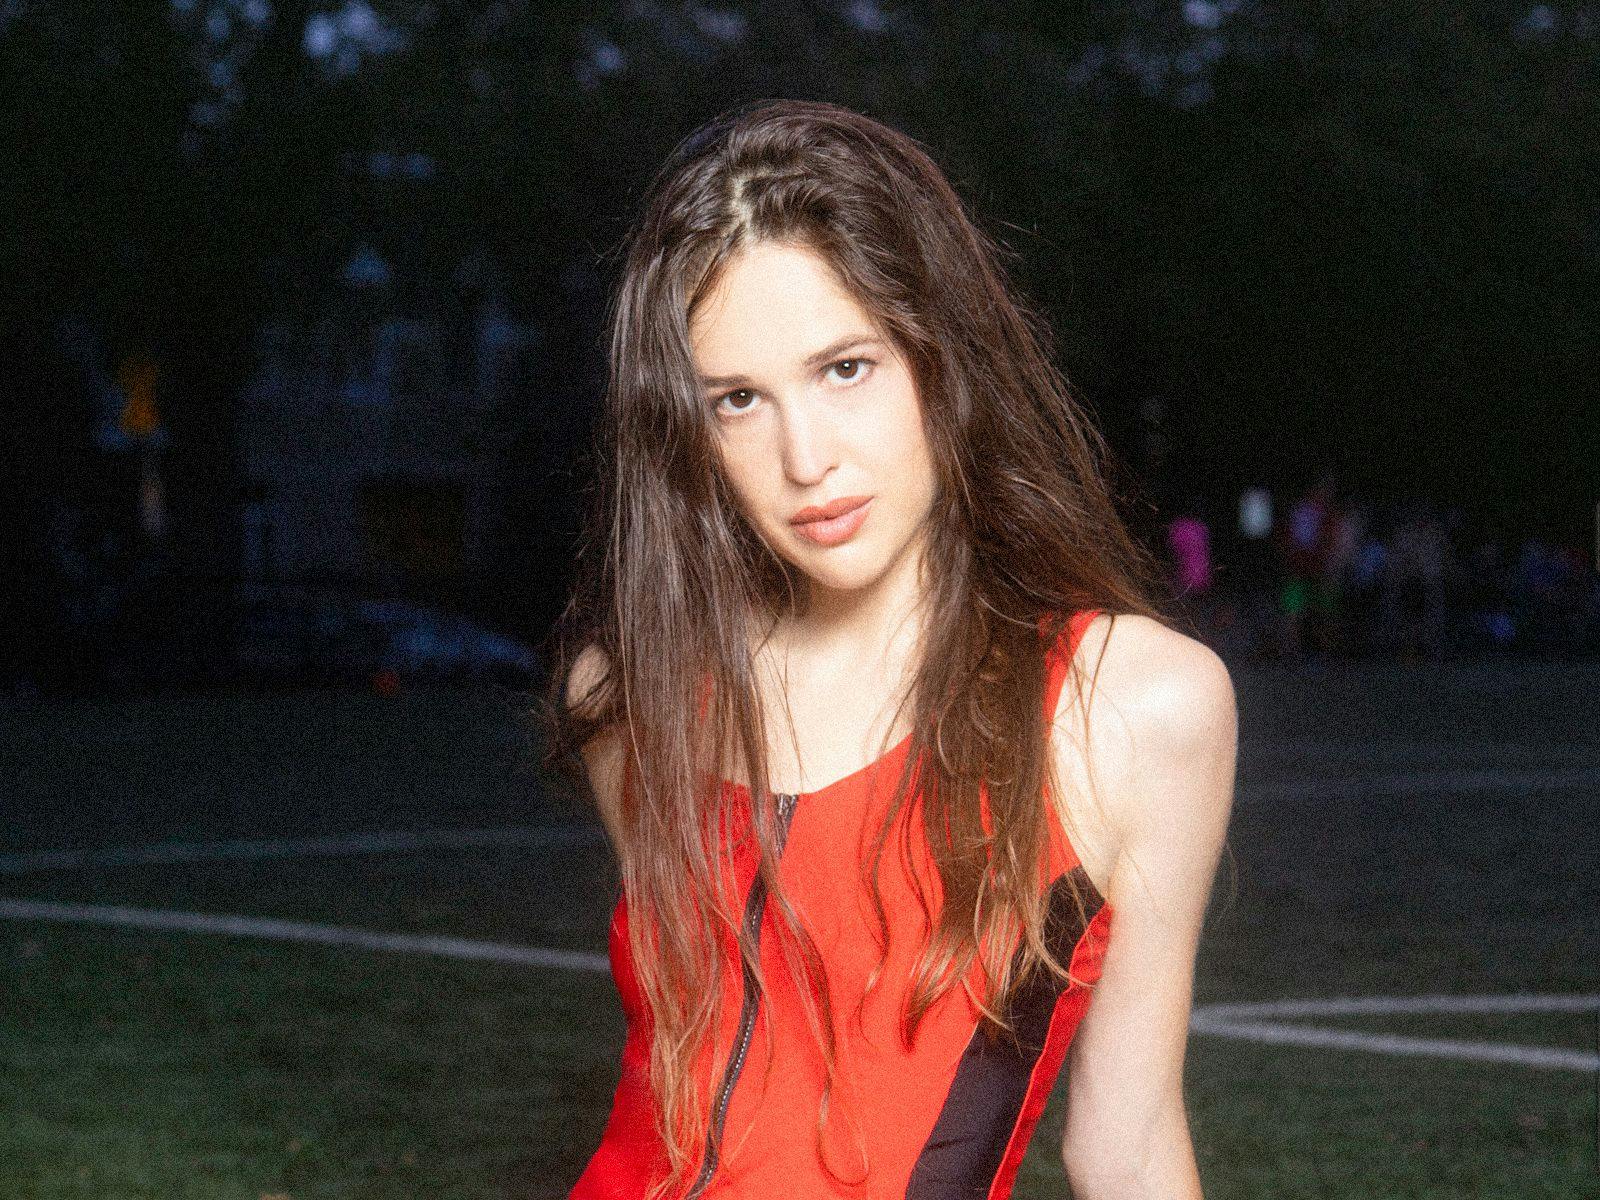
<point x="300" y="316"/>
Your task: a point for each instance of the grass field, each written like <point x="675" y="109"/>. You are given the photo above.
<point x="1400" y="831"/>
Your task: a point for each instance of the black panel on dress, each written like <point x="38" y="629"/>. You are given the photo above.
<point x="962" y="1155"/>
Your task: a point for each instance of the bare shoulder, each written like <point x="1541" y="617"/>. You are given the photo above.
<point x="602" y="755"/>
<point x="1168" y="686"/>
<point x="1157" y="733"/>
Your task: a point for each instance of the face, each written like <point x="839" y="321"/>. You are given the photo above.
<point x="814" y="410"/>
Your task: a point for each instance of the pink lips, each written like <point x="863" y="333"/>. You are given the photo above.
<point x="833" y="523"/>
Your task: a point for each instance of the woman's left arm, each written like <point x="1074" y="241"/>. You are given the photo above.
<point x="1163" y="746"/>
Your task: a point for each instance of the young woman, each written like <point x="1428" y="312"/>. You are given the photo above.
<point x="912" y="789"/>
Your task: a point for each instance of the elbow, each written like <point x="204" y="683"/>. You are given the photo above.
<point x="1102" y="1181"/>
<point x="1100" y="1166"/>
<point x="1097" y="1176"/>
<point x="1097" y="1167"/>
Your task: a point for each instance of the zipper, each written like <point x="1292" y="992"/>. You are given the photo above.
<point x="747" y="1008"/>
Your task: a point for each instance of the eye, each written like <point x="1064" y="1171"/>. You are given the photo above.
<point x="858" y="368"/>
<point x="745" y="392"/>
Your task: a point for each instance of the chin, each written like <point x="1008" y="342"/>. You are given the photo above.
<point x="844" y="580"/>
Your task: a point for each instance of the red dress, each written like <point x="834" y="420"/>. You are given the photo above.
<point x="949" y="1117"/>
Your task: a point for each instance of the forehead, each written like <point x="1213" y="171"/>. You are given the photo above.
<point x="770" y="306"/>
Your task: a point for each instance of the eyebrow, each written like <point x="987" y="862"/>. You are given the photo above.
<point x="819" y="358"/>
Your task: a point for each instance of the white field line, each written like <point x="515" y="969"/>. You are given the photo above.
<point x="294" y="931"/>
<point x="1233" y="1020"/>
<point x="313" y="847"/>
<point x="1218" y="1020"/>
<point x="1379" y="1043"/>
<point x="1421" y="783"/>
<point x="1383" y="1006"/>
<point x="1237" y="1021"/>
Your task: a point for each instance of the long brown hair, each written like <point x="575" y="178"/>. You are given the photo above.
<point x="671" y="579"/>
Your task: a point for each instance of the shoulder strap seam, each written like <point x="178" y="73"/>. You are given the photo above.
<point x="1058" y="658"/>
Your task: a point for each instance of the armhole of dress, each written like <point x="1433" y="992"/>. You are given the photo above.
<point x="1058" y="659"/>
<point x="1058" y="665"/>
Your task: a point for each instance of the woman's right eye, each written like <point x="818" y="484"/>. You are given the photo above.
<point x="740" y="392"/>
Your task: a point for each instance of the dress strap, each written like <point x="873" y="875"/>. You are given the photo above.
<point x="1062" y="856"/>
<point x="1058" y="659"/>
<point x="1057" y="666"/>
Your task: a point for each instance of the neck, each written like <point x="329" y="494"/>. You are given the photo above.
<point x="867" y="628"/>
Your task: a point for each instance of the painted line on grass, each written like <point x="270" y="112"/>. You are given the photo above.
<point x="1419" y="783"/>
<point x="1387" y="1006"/>
<point x="166" y="920"/>
<point x="1396" y="783"/>
<point x="1378" y="1043"/>
<point x="312" y="847"/>
<point x="1240" y="1021"/>
<point x="1233" y="1020"/>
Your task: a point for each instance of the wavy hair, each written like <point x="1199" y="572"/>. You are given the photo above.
<point x="672" y="581"/>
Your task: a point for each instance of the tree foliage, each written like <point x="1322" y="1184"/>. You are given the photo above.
<point x="1355" y="234"/>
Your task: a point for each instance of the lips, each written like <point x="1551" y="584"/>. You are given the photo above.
<point x="835" y="530"/>
<point x="828" y="511"/>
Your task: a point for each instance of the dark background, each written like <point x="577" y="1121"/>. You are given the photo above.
<point x="364" y="249"/>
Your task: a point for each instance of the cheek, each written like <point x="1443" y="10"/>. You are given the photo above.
<point x="900" y="445"/>
<point x="745" y="484"/>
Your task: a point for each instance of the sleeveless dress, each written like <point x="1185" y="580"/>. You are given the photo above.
<point x="949" y="1117"/>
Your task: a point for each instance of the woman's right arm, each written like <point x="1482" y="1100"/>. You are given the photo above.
<point x="602" y="754"/>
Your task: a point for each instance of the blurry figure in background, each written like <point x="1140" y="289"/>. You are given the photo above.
<point x="1189" y="553"/>
<point x="1355" y="564"/>
<point x="1549" y="597"/>
<point x="1245" y="596"/>
<point x="1587" y="591"/>
<point x="1347" y="524"/>
<point x="1308" y="600"/>
<point x="1412" y="607"/>
<point x="1486" y="594"/>
<point x="1364" y="581"/>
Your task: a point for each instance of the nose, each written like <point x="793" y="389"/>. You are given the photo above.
<point x="810" y="444"/>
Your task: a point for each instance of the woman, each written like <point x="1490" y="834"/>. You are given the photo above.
<point x="853" y="542"/>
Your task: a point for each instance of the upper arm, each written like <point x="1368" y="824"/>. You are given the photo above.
<point x="602" y="754"/>
<point x="1163" y="733"/>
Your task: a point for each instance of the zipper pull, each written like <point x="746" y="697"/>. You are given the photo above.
<point x="787" y="801"/>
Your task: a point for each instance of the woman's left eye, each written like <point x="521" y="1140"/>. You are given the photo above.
<point x="857" y="368"/>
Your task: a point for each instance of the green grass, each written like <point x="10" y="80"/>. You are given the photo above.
<point x="193" y="1066"/>
<point x="183" y="1066"/>
<point x="1288" y="1122"/>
